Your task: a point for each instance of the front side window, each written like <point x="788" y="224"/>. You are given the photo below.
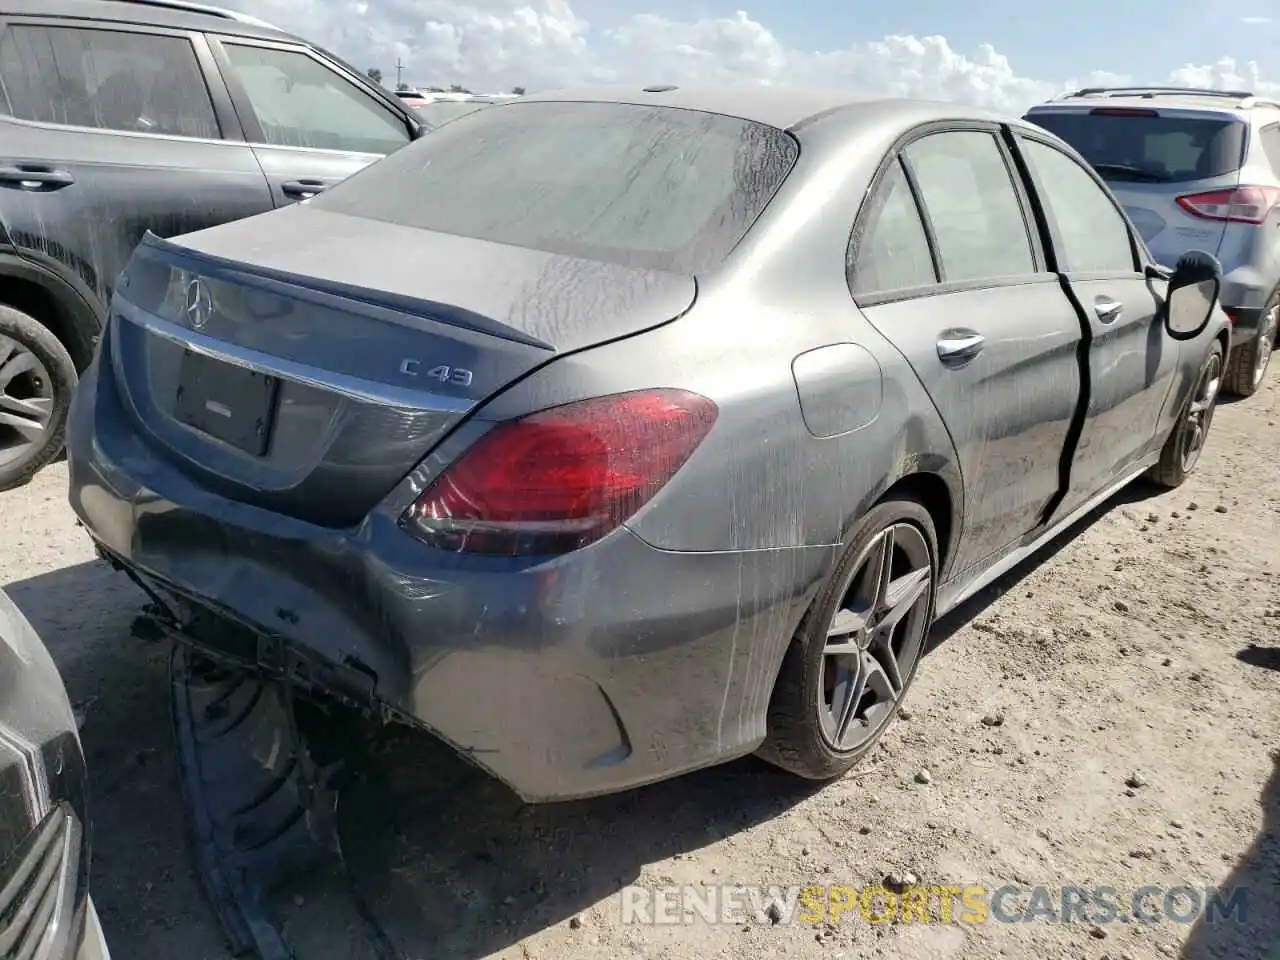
<point x="975" y="212"/>
<point x="1092" y="234"/>
<point x="109" y="79"/>
<point x="299" y="102"/>
<point x="645" y="186"/>
<point x="892" y="248"/>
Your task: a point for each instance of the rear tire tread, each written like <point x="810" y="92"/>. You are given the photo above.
<point x="1238" y="378"/>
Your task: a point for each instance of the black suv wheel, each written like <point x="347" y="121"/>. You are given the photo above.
<point x="37" y="379"/>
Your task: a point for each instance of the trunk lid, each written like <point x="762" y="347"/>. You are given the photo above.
<point x="305" y="362"/>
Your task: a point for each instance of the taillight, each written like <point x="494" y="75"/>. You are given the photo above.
<point x="1238" y="205"/>
<point x="561" y="478"/>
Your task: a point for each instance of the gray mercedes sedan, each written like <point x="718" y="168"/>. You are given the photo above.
<point x="613" y="433"/>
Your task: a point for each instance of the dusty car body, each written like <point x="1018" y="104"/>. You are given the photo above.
<point x="121" y="117"/>
<point x="604" y="491"/>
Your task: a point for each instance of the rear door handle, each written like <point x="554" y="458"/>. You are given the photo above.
<point x="36" y="177"/>
<point x="957" y="347"/>
<point x="302" y="188"/>
<point x="1107" y="310"/>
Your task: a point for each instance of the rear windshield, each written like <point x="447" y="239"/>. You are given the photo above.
<point x="1156" y="149"/>
<point x="653" y="187"/>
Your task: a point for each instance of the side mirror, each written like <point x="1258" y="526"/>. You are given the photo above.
<point x="1192" y="294"/>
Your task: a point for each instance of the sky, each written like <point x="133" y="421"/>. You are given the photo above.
<point x="994" y="53"/>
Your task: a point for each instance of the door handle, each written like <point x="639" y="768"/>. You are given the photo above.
<point x="1107" y="310"/>
<point x="302" y="188"/>
<point x="957" y="347"/>
<point x="34" y="177"/>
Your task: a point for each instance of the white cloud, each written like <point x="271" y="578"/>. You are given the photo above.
<point x="494" y="44"/>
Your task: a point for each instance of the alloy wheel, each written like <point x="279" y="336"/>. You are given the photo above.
<point x="876" y="636"/>
<point x="1199" y="415"/>
<point x="26" y="400"/>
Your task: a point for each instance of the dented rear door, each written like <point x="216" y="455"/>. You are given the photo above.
<point x="1131" y="360"/>
<point x="956" y="282"/>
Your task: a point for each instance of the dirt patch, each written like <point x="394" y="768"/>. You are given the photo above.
<point x="1108" y="718"/>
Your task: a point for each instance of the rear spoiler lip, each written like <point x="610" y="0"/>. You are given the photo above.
<point x="454" y="316"/>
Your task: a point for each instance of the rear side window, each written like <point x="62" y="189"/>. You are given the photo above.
<point x="299" y="102"/>
<point x="969" y="196"/>
<point x="892" y="249"/>
<point x="108" y="79"/>
<point x="646" y="186"/>
<point x="1093" y="235"/>
<point x="1145" y="147"/>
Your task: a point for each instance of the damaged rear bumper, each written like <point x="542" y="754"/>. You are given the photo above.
<point x="607" y="668"/>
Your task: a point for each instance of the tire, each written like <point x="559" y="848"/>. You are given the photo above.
<point x="1175" y="465"/>
<point x="18" y="464"/>
<point x="802" y="733"/>
<point x="1248" y="363"/>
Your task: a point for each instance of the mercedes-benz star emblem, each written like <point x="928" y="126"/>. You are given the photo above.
<point x="199" y="304"/>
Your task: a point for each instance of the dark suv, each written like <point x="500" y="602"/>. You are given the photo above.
<point x="119" y="116"/>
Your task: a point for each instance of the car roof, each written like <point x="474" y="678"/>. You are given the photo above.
<point x="784" y="107"/>
<point x="155" y="13"/>
<point x="1240" y="103"/>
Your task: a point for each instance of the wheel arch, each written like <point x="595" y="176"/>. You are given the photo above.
<point x="35" y="291"/>
<point x="934" y="494"/>
<point x="932" y="481"/>
<point x="1224" y="338"/>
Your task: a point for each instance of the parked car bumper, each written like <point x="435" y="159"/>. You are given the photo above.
<point x="1244" y="323"/>
<point x="1245" y="292"/>
<point x="93" y="945"/>
<point x="609" y="667"/>
<point x="44" y="825"/>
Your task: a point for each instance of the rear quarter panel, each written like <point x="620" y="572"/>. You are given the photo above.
<point x="762" y="479"/>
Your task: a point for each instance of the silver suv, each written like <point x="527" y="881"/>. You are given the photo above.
<point x="1194" y="169"/>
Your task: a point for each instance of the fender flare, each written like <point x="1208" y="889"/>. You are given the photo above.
<point x="80" y="319"/>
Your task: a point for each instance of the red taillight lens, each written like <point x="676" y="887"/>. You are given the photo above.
<point x="561" y="478"/>
<point x="1240" y="205"/>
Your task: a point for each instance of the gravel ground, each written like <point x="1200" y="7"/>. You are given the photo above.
<point x="1110" y="716"/>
